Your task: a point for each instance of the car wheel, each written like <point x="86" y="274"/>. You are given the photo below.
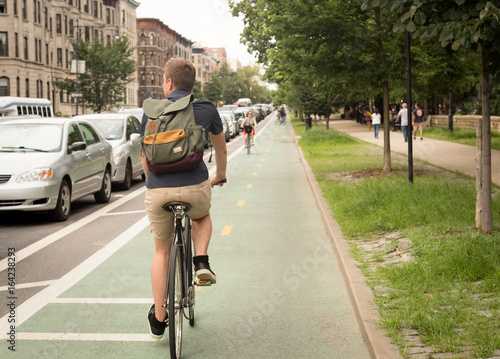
<point x="104" y="193"/>
<point x="63" y="206"/>
<point x="127" y="181"/>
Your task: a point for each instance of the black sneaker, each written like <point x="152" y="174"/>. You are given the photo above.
<point x="156" y="328"/>
<point x="202" y="269"/>
<point x="421" y="138"/>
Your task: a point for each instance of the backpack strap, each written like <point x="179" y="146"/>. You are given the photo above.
<point x="156" y="108"/>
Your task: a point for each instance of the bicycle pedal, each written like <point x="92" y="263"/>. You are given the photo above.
<point x="203" y="283"/>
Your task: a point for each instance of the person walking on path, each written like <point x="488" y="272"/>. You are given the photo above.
<point x="418" y="121"/>
<point x="403" y="119"/>
<point x="192" y="186"/>
<point x="368" y="120"/>
<point x="308" y="120"/>
<point x="376" y="119"/>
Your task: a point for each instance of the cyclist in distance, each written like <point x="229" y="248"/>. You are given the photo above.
<point x="192" y="186"/>
<point x="282" y="113"/>
<point x="249" y="121"/>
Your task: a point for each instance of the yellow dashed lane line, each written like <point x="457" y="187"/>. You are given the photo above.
<point x="240" y="203"/>
<point x="226" y="231"/>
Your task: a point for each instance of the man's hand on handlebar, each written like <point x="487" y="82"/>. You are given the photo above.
<point x="216" y="181"/>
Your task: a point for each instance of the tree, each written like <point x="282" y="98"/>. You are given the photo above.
<point x="455" y="24"/>
<point x="109" y="68"/>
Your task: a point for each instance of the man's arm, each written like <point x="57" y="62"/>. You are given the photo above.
<point x="144" y="164"/>
<point x="219" y="144"/>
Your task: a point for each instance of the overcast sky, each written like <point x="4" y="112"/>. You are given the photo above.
<point x="208" y="22"/>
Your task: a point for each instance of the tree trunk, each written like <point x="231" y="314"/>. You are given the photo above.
<point x="486" y="212"/>
<point x="327" y="118"/>
<point x="387" y="129"/>
<point x="479" y="172"/>
<point x="385" y="99"/>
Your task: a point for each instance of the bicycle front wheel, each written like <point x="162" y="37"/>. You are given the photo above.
<point x="248" y="144"/>
<point x="175" y="297"/>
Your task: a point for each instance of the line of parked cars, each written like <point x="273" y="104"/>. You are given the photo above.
<point x="47" y="163"/>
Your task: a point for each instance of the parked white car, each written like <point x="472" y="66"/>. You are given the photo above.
<point x="122" y="131"/>
<point x="47" y="163"/>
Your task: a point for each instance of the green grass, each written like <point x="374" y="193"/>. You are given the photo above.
<point x="450" y="291"/>
<point x="466" y="137"/>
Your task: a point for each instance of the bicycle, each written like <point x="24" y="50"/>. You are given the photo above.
<point x="278" y="120"/>
<point x="248" y="143"/>
<point x="180" y="283"/>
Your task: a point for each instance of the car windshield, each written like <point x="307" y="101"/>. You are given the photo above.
<point x="31" y="137"/>
<point x="111" y="129"/>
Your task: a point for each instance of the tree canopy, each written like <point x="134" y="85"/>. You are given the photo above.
<point x="109" y="68"/>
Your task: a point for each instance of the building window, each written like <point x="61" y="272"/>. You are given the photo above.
<point x="143" y="78"/>
<point x="65" y="25"/>
<point x="143" y="40"/>
<point x="143" y="59"/>
<point x="46" y="17"/>
<point x="48" y="91"/>
<point x="3" y="7"/>
<point x="151" y="39"/>
<point x="87" y="33"/>
<point x="71" y="28"/>
<point x="27" y="82"/>
<point x="4" y="86"/>
<point x="23" y="7"/>
<point x="153" y="59"/>
<point x="67" y="59"/>
<point x="86" y="6"/>
<point x="59" y="57"/>
<point x="4" y="46"/>
<point x="16" y="44"/>
<point x="36" y="50"/>
<point x="18" y="85"/>
<point x="96" y="34"/>
<point x="47" y="54"/>
<point x="58" y="24"/>
<point x="123" y="17"/>
<point x="25" y="46"/>
<point x="96" y="12"/>
<point x="108" y="16"/>
<point x="153" y="79"/>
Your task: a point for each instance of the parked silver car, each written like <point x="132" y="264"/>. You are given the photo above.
<point x="122" y="131"/>
<point x="47" y="163"/>
<point x="235" y="131"/>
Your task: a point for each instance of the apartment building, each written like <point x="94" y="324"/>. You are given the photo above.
<point x="157" y="44"/>
<point x="219" y="54"/>
<point x="36" y="37"/>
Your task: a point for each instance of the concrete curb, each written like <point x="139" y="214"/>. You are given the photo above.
<point x="376" y="339"/>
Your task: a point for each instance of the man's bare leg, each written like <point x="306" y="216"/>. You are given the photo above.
<point x="159" y="272"/>
<point x="201" y="232"/>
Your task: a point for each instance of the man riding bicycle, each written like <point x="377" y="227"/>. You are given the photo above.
<point x="191" y="186"/>
<point x="282" y="114"/>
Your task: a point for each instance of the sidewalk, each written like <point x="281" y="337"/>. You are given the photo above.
<point x="286" y="286"/>
<point x="448" y="155"/>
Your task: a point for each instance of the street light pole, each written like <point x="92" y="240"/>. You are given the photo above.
<point x="76" y="76"/>
<point x="409" y="107"/>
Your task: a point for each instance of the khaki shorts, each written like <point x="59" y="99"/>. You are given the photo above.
<point x="418" y="126"/>
<point x="161" y="221"/>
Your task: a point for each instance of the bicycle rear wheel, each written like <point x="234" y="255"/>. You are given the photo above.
<point x="189" y="270"/>
<point x="175" y="298"/>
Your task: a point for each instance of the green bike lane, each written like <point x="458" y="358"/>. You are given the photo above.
<point x="279" y="291"/>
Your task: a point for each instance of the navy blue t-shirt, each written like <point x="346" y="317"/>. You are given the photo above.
<point x="206" y="115"/>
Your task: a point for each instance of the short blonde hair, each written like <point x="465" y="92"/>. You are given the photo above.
<point x="181" y="72"/>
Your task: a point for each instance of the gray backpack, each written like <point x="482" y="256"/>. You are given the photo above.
<point x="172" y="141"/>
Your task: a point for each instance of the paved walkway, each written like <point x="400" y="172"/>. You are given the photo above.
<point x="448" y="155"/>
<point x="285" y="287"/>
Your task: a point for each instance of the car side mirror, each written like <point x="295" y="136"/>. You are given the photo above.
<point x="135" y="137"/>
<point x="77" y="146"/>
